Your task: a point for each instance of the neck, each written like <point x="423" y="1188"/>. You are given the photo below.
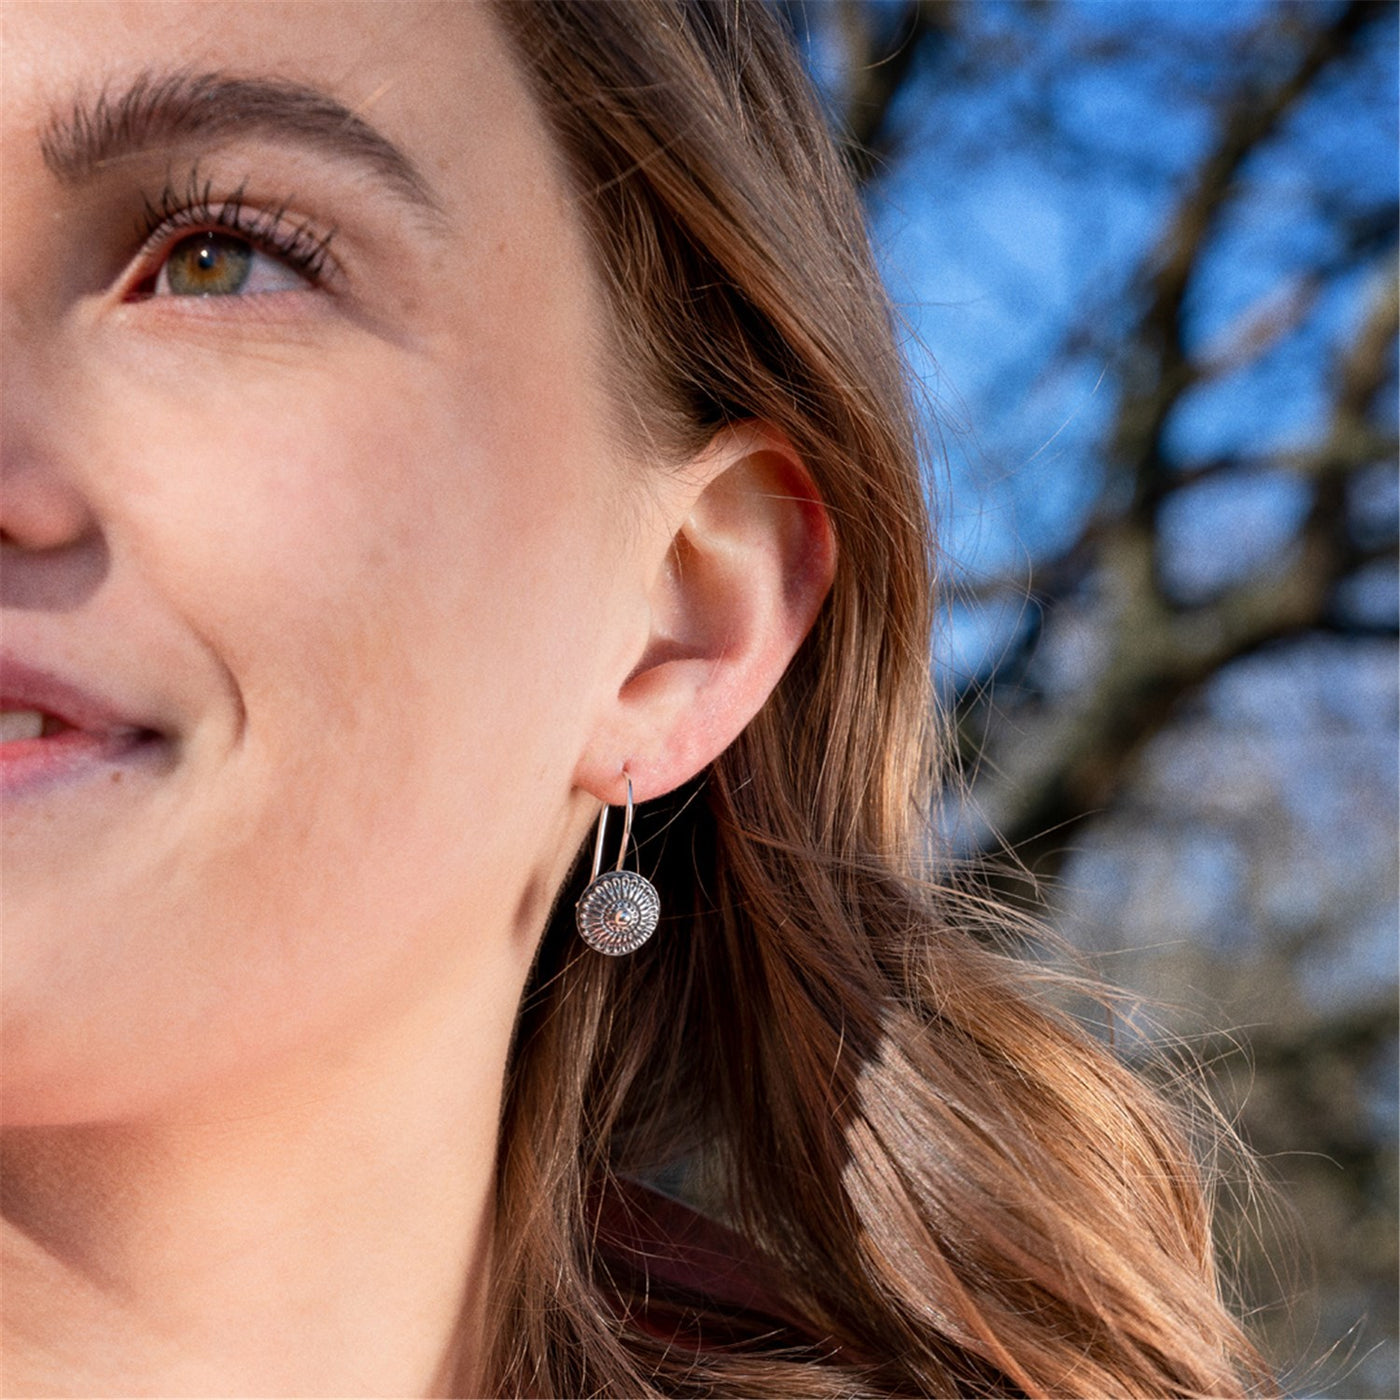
<point x="319" y="1233"/>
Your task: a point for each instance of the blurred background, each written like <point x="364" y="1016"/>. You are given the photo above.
<point x="1145" y="256"/>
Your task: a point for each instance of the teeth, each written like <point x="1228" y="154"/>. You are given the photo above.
<point x="20" y="724"/>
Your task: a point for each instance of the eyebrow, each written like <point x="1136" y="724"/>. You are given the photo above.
<point x="155" y="110"/>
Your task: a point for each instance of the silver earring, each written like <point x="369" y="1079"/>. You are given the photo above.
<point x="618" y="911"/>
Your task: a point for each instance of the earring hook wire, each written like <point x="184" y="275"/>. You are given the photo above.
<point x="602" y="831"/>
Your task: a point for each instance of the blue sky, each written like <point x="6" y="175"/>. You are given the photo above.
<point x="1012" y="216"/>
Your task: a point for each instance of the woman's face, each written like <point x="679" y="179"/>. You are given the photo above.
<point x="306" y="471"/>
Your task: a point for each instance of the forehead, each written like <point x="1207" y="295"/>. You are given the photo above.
<point x="433" y="78"/>
<point x="366" y="50"/>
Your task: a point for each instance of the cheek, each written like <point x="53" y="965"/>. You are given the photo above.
<point x="404" y="580"/>
<point x="372" y="543"/>
<point x="394" y="584"/>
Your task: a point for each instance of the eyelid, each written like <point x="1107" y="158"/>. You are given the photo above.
<point x="296" y="242"/>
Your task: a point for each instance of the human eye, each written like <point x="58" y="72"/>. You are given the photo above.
<point x="195" y="245"/>
<point x="215" y="263"/>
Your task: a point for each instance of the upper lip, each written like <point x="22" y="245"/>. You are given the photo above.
<point x="26" y="687"/>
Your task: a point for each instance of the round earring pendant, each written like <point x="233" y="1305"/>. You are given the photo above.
<point x="618" y="911"/>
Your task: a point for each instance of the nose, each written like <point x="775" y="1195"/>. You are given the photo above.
<point x="52" y="554"/>
<point x="52" y="546"/>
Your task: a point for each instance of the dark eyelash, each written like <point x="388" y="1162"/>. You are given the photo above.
<point x="269" y="228"/>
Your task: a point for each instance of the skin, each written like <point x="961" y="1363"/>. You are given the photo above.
<point x="370" y="557"/>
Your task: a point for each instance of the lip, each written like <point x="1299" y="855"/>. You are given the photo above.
<point x="100" y="737"/>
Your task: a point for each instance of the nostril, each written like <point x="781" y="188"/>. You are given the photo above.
<point x="57" y="579"/>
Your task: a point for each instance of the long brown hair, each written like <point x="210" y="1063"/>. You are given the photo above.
<point x="960" y="1190"/>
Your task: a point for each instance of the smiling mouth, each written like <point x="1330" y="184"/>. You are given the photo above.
<point x="38" y="750"/>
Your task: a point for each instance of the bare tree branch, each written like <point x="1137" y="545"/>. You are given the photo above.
<point x="1158" y="369"/>
<point x="1059" y="767"/>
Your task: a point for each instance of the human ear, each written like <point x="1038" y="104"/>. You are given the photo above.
<point x="745" y="570"/>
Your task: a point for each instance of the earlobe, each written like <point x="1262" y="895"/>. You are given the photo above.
<point x="743" y="575"/>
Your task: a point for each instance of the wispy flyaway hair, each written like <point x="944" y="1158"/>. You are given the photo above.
<point x="955" y="1188"/>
